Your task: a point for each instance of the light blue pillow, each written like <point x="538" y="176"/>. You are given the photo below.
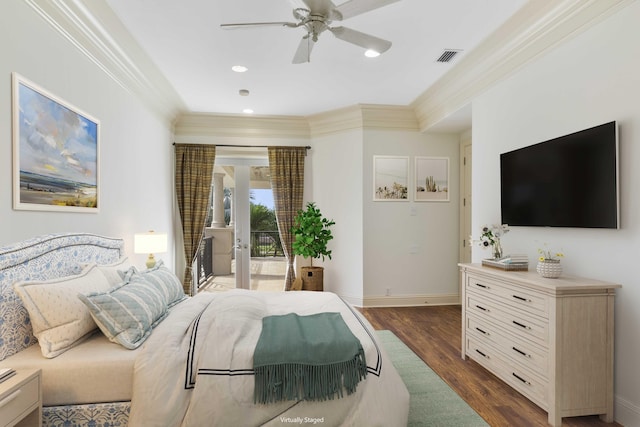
<point x="163" y="279"/>
<point x="127" y="313"/>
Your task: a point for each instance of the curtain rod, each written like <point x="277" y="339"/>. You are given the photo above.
<point x="308" y="147"/>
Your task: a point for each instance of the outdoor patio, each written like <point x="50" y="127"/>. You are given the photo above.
<point x="267" y="274"/>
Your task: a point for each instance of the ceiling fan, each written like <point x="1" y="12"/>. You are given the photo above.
<point x="317" y="17"/>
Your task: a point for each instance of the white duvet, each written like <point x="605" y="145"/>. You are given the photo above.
<point x="196" y="368"/>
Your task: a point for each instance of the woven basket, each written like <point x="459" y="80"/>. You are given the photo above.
<point x="312" y="278"/>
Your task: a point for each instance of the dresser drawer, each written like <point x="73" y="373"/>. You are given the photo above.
<point x="519" y="297"/>
<point x="514" y="321"/>
<point x="523" y="380"/>
<point x="527" y="354"/>
<point x="18" y="400"/>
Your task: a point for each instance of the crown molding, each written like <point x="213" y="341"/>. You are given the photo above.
<point x="363" y="116"/>
<point x="193" y="126"/>
<point x="200" y="127"/>
<point x="335" y="121"/>
<point x="93" y="28"/>
<point x="536" y="28"/>
<point x="389" y="117"/>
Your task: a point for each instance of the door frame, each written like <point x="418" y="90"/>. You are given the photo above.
<point x="241" y="210"/>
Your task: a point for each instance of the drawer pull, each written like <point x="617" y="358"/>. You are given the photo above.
<point x="482" y="354"/>
<point x="482" y="286"/>
<point x="521" y="325"/>
<point x="521" y="379"/>
<point x="484" y="332"/>
<point x="521" y="298"/>
<point x="9" y="398"/>
<point x="482" y="308"/>
<point x="521" y="352"/>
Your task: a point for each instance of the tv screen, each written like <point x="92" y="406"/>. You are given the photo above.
<point x="570" y="181"/>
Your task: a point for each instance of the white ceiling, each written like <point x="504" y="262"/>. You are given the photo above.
<point x="185" y="41"/>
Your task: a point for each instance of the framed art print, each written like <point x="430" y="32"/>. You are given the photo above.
<point x="432" y="179"/>
<point x="55" y="152"/>
<point x="390" y="178"/>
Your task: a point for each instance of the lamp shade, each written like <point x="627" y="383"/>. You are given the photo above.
<point x="149" y="243"/>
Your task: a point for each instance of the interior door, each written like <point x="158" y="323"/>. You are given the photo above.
<point x="466" y="204"/>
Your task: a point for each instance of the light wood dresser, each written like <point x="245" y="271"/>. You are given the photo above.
<point x="550" y="339"/>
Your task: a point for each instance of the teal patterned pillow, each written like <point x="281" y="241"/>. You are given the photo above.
<point x="127" y="313"/>
<point x="162" y="278"/>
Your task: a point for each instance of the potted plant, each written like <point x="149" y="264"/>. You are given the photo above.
<point x="312" y="233"/>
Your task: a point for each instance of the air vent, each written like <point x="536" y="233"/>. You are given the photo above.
<point x="448" y="55"/>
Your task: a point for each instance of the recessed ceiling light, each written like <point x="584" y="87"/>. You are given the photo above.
<point x="247" y="111"/>
<point x="243" y="92"/>
<point x="370" y="53"/>
<point x="239" y="68"/>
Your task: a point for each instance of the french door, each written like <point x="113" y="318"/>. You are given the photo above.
<point x="242" y="223"/>
<point x="253" y="268"/>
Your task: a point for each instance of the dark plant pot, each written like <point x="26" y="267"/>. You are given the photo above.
<point x="312" y="278"/>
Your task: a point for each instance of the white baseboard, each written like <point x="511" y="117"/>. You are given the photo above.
<point x="404" y="300"/>
<point x="626" y="413"/>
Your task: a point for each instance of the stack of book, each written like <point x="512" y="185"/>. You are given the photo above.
<point x="509" y="262"/>
<point x="6" y="373"/>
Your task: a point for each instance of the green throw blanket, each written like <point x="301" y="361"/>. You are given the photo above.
<point x="306" y="358"/>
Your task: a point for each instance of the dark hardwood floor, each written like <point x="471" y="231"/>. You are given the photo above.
<point x="434" y="334"/>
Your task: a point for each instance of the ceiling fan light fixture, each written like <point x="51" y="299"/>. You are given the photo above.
<point x="239" y="68"/>
<point x="370" y="53"/>
<point x="316" y="16"/>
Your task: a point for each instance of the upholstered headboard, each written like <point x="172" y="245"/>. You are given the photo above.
<point x="43" y="258"/>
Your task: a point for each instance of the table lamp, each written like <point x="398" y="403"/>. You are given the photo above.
<point x="150" y="243"/>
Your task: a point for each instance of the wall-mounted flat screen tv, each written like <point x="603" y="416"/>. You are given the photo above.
<point x="570" y="181"/>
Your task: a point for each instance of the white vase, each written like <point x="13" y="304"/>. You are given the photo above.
<point x="549" y="268"/>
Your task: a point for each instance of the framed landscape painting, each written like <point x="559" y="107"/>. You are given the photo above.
<point x="390" y="178"/>
<point x="432" y="179"/>
<point x="55" y="152"/>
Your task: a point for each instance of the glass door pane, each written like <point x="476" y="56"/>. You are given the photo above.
<point x="268" y="265"/>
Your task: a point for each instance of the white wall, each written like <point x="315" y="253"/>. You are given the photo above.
<point x="412" y="256"/>
<point x="587" y="81"/>
<point x="135" y="146"/>
<point x="337" y="190"/>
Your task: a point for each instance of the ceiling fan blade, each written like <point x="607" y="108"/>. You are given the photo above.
<point x="319" y="7"/>
<point x="353" y="8"/>
<point x="259" y="24"/>
<point x="303" y="53"/>
<point x="361" y="39"/>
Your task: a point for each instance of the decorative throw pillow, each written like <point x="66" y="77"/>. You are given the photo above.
<point x="127" y="313"/>
<point x="59" y="319"/>
<point x="161" y="277"/>
<point x="115" y="272"/>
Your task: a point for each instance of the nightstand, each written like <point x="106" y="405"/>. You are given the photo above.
<point x="21" y="399"/>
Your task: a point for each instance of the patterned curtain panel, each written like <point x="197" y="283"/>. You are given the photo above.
<point x="286" y="165"/>
<point x="194" y="170"/>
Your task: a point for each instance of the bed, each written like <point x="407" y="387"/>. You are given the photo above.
<point x="187" y="360"/>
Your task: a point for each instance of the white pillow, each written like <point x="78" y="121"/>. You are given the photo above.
<point x="115" y="272"/>
<point x="58" y="317"/>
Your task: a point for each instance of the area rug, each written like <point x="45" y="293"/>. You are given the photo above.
<point x="433" y="402"/>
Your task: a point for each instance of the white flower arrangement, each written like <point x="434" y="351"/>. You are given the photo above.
<point x="491" y="235"/>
